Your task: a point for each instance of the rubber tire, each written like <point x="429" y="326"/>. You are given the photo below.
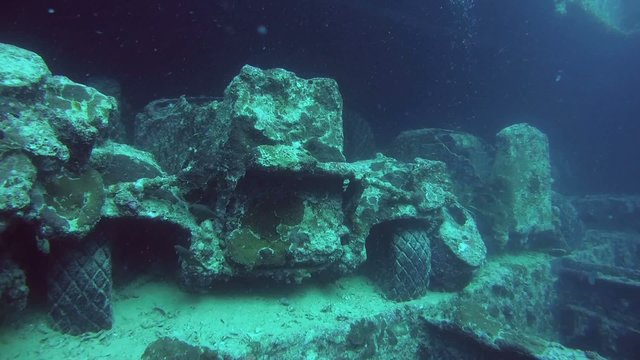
<point x="409" y="264"/>
<point x="79" y="287"/>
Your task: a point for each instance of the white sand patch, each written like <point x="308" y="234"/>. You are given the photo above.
<point x="233" y="320"/>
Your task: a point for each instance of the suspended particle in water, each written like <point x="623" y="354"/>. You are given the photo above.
<point x="262" y="30"/>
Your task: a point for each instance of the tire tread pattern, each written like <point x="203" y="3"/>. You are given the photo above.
<point x="410" y="257"/>
<point x="79" y="288"/>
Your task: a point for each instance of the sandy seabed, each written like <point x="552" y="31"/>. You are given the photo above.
<point x="229" y="320"/>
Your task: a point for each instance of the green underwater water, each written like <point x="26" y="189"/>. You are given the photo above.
<point x="319" y="180"/>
